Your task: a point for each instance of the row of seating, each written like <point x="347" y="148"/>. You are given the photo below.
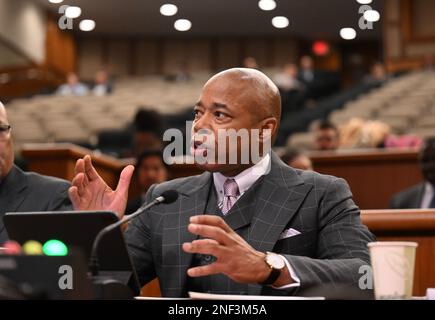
<point x="406" y="104"/>
<point x="50" y="118"/>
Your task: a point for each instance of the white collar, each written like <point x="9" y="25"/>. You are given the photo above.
<point x="244" y="179"/>
<point x="428" y="188"/>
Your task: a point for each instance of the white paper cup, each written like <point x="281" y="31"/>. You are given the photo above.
<point x="393" y="268"/>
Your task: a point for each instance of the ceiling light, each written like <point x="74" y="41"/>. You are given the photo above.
<point x="372" y="15"/>
<point x="168" y="9"/>
<point x="182" y="25"/>
<point x="348" y="33"/>
<point x="73" y="12"/>
<point x="87" y="25"/>
<point x="364" y="1"/>
<point x="55" y="1"/>
<point x="267" y="5"/>
<point x="280" y="22"/>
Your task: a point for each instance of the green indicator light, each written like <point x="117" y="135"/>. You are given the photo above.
<point x="55" y="248"/>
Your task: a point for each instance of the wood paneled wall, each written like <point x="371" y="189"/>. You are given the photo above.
<point x="409" y="33"/>
<point x="139" y="56"/>
<point x="60" y="48"/>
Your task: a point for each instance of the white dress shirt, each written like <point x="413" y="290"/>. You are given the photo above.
<point x="245" y="180"/>
<point x="427" y="195"/>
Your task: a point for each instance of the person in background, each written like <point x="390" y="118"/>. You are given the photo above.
<point x="150" y="169"/>
<point x="327" y="137"/>
<point x="180" y="74"/>
<point x="25" y="191"/>
<point x="250" y="62"/>
<point x="359" y="133"/>
<point x="306" y="72"/>
<point x="148" y="127"/>
<point x="72" y="87"/>
<point x="378" y="74"/>
<point x="297" y="159"/>
<point x="421" y="195"/>
<point x="102" y="85"/>
<point x="291" y="89"/>
<point x="315" y="83"/>
<point x="287" y="79"/>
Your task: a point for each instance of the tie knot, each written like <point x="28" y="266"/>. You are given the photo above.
<point x="231" y="189"/>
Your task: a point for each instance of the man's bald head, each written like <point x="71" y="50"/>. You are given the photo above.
<point x="251" y="88"/>
<point x="238" y="100"/>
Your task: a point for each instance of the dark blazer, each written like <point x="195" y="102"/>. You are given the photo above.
<point x="26" y="191"/>
<point x="328" y="253"/>
<point x="409" y="198"/>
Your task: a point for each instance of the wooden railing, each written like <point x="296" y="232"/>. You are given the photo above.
<point x="408" y="225"/>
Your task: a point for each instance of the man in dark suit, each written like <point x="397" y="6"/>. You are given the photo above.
<point x="422" y="195"/>
<point x="22" y="191"/>
<point x="150" y="169"/>
<point x="256" y="227"/>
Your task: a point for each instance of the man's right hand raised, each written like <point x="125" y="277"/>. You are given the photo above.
<point x="90" y="192"/>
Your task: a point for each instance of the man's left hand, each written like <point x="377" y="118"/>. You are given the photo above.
<point x="234" y="256"/>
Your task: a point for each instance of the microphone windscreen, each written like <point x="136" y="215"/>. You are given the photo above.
<point x="169" y="196"/>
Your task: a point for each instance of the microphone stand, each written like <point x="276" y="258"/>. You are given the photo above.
<point x="106" y="287"/>
<point x="93" y="260"/>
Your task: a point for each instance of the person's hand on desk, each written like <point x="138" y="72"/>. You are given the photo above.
<point x="234" y="256"/>
<point x="90" y="192"/>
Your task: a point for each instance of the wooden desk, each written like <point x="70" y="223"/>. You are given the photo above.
<point x="58" y="160"/>
<point x="374" y="176"/>
<point x="408" y="225"/>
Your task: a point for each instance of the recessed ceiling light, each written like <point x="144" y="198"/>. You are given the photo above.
<point x="168" y="9"/>
<point x="182" y="25"/>
<point x="55" y="1"/>
<point x="280" y="22"/>
<point x="267" y="5"/>
<point x="372" y="15"/>
<point x="87" y="25"/>
<point x="364" y="1"/>
<point x="348" y="33"/>
<point x="73" y="12"/>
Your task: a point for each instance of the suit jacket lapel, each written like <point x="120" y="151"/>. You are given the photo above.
<point x="12" y="193"/>
<point x="419" y="198"/>
<point x="193" y="201"/>
<point x="280" y="196"/>
<point x="244" y="209"/>
<point x="13" y="186"/>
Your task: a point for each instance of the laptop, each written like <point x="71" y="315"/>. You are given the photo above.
<point x="77" y="229"/>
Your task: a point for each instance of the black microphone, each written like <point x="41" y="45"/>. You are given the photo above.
<point x="166" y="197"/>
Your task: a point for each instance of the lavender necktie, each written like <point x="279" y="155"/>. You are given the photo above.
<point x="231" y="192"/>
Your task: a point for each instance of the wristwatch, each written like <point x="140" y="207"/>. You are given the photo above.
<point x="276" y="264"/>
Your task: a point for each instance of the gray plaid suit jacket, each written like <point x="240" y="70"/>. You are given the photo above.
<point x="328" y="252"/>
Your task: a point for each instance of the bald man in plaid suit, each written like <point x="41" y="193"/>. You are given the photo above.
<point x="253" y="228"/>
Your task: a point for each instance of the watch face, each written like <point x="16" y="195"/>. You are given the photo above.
<point x="275" y="261"/>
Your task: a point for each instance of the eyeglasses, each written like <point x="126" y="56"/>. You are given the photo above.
<point x="5" y="130"/>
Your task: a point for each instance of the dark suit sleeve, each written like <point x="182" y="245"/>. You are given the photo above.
<point x="138" y="239"/>
<point x="60" y="200"/>
<point x="342" y="244"/>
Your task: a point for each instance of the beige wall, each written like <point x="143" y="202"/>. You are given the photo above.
<point x="23" y="24"/>
<point x="157" y="55"/>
